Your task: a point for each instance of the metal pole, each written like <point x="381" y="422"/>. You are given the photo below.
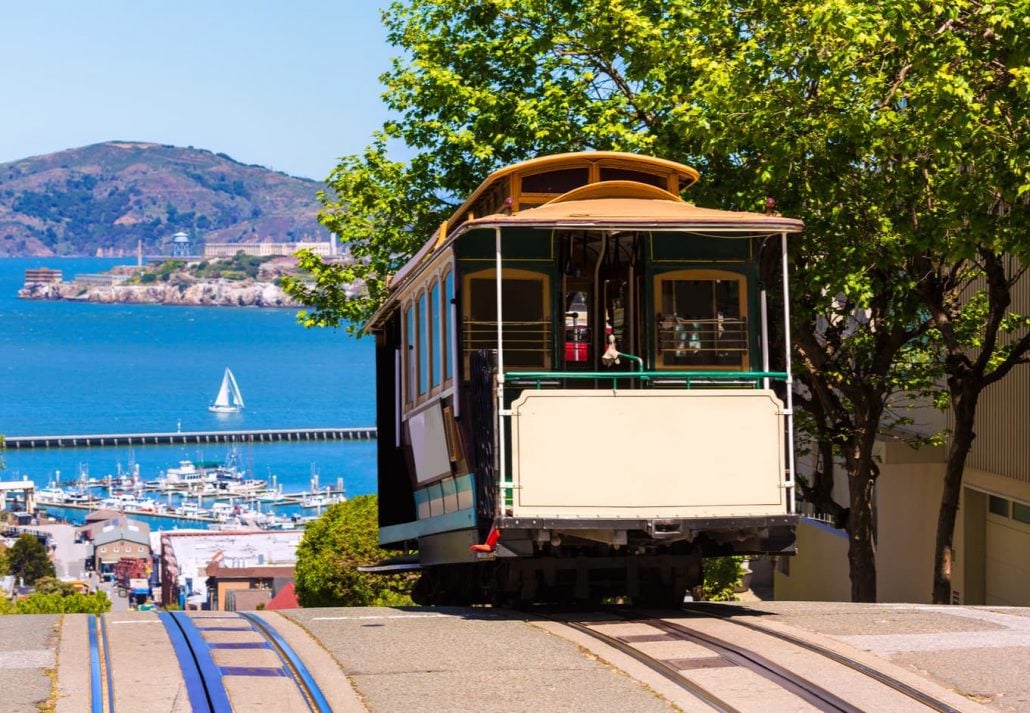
<point x="790" y="483"/>
<point x="501" y="448"/>
<point x="765" y="337"/>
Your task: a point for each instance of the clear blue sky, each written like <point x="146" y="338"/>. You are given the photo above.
<point x="290" y="86"/>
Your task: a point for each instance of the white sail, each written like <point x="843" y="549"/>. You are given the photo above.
<point x="229" y="399"/>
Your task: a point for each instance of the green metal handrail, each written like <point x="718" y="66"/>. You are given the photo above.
<point x="687" y="376"/>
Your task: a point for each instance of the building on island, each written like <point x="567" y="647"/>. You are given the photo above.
<point x="43" y="276"/>
<point x="323" y="248"/>
<point x="181" y="246"/>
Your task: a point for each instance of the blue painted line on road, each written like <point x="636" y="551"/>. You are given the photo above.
<point x="317" y="697"/>
<point x="96" y="695"/>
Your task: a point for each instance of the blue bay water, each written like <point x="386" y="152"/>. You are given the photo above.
<point x="80" y="368"/>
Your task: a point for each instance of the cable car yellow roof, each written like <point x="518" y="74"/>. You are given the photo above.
<point x="625" y="204"/>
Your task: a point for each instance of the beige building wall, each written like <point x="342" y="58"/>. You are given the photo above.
<point x="819" y="571"/>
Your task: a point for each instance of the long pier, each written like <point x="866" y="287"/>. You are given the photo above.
<point x="270" y="435"/>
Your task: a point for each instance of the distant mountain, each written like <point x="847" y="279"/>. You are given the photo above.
<point x="102" y="199"/>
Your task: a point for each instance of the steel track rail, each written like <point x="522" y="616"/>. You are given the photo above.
<point x="800" y="686"/>
<point x="309" y="689"/>
<point x="889" y="681"/>
<point x="659" y="667"/>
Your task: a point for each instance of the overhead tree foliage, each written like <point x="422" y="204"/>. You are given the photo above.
<point x="897" y="131"/>
<point x="333" y="547"/>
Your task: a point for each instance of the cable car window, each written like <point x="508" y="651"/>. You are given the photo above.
<point x="609" y="173"/>
<point x="434" y="311"/>
<point x="556" y="181"/>
<point x="409" y="354"/>
<point x="702" y="320"/>
<point x="527" y="328"/>
<point x="445" y="308"/>
<point x="423" y="346"/>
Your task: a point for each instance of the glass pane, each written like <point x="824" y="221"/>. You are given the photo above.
<point x="423" y="347"/>
<point x="434" y="310"/>
<point x="998" y="506"/>
<point x="700" y="323"/>
<point x="526" y="333"/>
<point x="556" y="181"/>
<point x="448" y="293"/>
<point x="409" y="355"/>
<point x="625" y="174"/>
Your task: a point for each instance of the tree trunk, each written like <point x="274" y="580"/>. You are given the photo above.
<point x="963" y="402"/>
<point x="861" y="542"/>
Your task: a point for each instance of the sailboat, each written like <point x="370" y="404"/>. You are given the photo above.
<point x="229" y="399"/>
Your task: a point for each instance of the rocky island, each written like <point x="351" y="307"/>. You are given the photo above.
<point x="240" y="281"/>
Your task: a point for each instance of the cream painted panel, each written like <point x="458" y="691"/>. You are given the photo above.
<point x="648" y="453"/>
<point x="429" y="444"/>
<point x="1007" y="567"/>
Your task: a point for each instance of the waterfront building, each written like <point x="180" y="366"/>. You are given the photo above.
<point x="43" y="276"/>
<point x="186" y="556"/>
<point x="322" y="248"/>
<point x="118" y="539"/>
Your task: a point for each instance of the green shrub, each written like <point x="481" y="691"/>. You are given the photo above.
<point x="333" y="547"/>
<point x="721" y="576"/>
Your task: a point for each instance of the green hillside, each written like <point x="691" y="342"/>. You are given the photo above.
<point x="102" y="199"/>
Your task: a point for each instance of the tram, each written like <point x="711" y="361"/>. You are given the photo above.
<point x="576" y="397"/>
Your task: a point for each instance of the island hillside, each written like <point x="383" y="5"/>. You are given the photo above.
<point x="107" y="198"/>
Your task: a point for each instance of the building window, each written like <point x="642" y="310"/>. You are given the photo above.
<point x="998" y="506"/>
<point x="1021" y="513"/>
<point x="139" y="548"/>
<point x="701" y="318"/>
<point x="116" y="548"/>
<point x="104" y="548"/>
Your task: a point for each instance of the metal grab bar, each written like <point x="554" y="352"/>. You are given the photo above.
<point x="688" y="377"/>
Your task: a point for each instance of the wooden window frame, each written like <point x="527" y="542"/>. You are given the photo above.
<point x="701" y="274"/>
<point x="509" y="273"/>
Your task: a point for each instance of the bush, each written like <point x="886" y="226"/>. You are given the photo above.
<point x="333" y="547"/>
<point x="38" y="603"/>
<point x="721" y="576"/>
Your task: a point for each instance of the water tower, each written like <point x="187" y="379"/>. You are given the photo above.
<point x="180" y="245"/>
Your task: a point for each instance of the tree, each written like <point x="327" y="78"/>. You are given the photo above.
<point x="333" y="547"/>
<point x="28" y="559"/>
<point x="834" y="110"/>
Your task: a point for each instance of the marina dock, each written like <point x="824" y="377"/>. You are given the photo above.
<point x="271" y="435"/>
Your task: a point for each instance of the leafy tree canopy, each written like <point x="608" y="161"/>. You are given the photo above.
<point x="896" y="131"/>
<point x="28" y="559"/>
<point x="333" y="547"/>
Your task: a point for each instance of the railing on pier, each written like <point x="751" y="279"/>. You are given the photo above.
<point x="270" y="435"/>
